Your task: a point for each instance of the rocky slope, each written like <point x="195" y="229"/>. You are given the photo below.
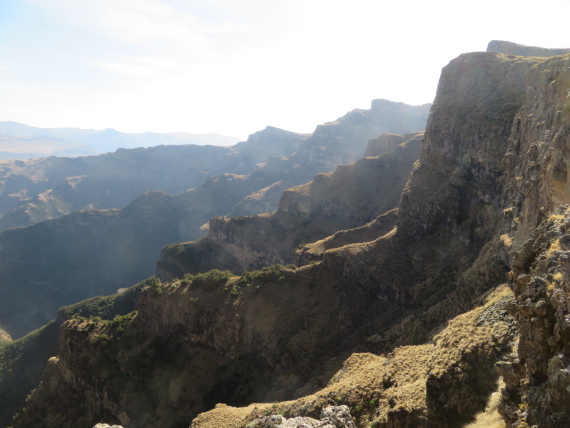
<point x="349" y="197"/>
<point x="400" y="329"/>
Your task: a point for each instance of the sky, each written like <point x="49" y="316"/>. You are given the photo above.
<point x="235" y="67"/>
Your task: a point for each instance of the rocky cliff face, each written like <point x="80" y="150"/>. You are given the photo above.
<point x="351" y="196"/>
<point x="489" y="195"/>
<point x="343" y="141"/>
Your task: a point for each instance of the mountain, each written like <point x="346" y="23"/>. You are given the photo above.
<point x="87" y="253"/>
<point x="41" y="189"/>
<point x="413" y="327"/>
<point x="18" y="141"/>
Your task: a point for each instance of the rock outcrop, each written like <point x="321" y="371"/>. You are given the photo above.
<point x="537" y="377"/>
<point x="331" y="417"/>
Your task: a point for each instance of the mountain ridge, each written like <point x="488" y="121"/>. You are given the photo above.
<point x="123" y="244"/>
<point x="32" y="142"/>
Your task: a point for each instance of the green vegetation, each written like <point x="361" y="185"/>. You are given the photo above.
<point x="211" y="280"/>
<point x="174" y="250"/>
<point x="274" y="273"/>
<point x="156" y="286"/>
<point x="106" y="307"/>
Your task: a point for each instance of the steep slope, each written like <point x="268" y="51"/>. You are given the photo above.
<point x="349" y="197"/>
<point x="23" y="361"/>
<point x="40" y="189"/>
<point x="96" y="252"/>
<point x="87" y="253"/>
<point x="492" y="168"/>
<point x="335" y="143"/>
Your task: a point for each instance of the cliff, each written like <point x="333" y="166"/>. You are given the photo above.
<point x="411" y="328"/>
<point x="349" y="197"/>
<point x="86" y="253"/>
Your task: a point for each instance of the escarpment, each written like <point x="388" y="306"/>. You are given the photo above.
<point x="90" y="252"/>
<point x="351" y="196"/>
<point x="411" y="328"/>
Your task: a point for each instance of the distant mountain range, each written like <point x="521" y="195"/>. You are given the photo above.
<point x="19" y="141"/>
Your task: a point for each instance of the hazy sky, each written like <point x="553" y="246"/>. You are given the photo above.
<point x="236" y="66"/>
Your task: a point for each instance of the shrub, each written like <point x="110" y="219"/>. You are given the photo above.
<point x="274" y="273"/>
<point x="212" y="280"/>
<point x="156" y="286"/>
